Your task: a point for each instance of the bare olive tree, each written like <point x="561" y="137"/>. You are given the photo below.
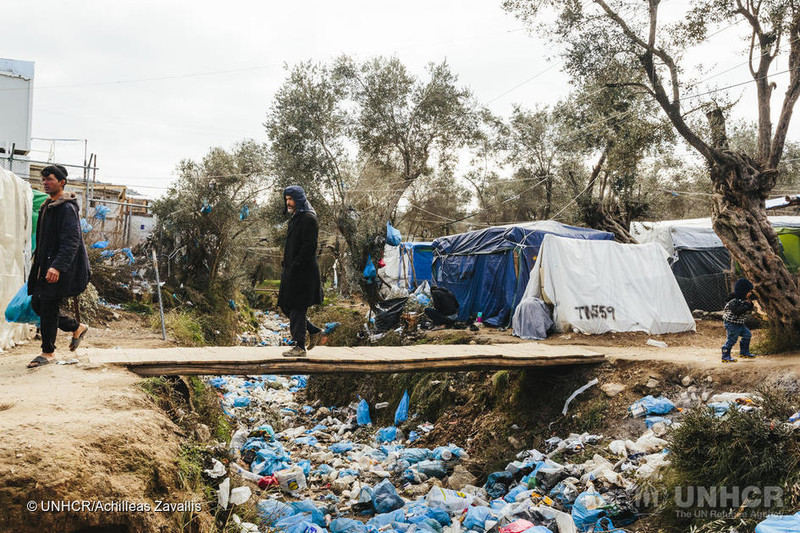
<point x="600" y="34"/>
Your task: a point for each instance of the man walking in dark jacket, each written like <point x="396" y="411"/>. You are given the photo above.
<point x="60" y="264"/>
<point x="300" y="281"/>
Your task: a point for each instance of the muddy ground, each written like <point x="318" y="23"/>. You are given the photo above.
<point x="73" y="432"/>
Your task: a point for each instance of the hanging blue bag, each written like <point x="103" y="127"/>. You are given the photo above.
<point x="19" y="309"/>
<point x="393" y="237"/>
<point x="369" y="270"/>
<point x="401" y="415"/>
<point x="362" y="413"/>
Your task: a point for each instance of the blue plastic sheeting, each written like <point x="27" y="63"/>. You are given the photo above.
<point x="420" y="255"/>
<point x="487" y="270"/>
<point x="779" y="524"/>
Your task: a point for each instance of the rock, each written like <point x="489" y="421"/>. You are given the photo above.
<point x="323" y="412"/>
<point x="203" y="433"/>
<point x="652" y="383"/>
<point x="115" y="315"/>
<point x="693" y="389"/>
<point x="612" y="389"/>
<point x="709" y="379"/>
<point x="686" y="381"/>
<point x="704" y="396"/>
<point x="516" y="444"/>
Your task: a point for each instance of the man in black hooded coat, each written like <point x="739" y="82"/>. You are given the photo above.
<point x="60" y="266"/>
<point x="300" y="281"/>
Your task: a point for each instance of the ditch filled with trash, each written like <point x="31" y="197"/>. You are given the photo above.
<point x="373" y="463"/>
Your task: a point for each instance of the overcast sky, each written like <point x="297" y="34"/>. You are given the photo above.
<point x="149" y="83"/>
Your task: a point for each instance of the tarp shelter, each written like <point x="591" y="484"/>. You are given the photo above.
<point x="407" y="266"/>
<point x="701" y="263"/>
<point x="487" y="270"/>
<point x="16" y="206"/>
<point x="601" y="286"/>
<point x="38" y="199"/>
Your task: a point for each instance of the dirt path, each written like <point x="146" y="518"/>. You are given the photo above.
<point x="72" y="432"/>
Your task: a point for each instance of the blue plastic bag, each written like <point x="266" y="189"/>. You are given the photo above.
<point x="369" y="272"/>
<point x="388" y="434"/>
<point x="346" y="525"/>
<point x="477" y="516"/>
<point x="99" y="245"/>
<point x="341" y="447"/>
<point x="308" y="507"/>
<point x="385" y="498"/>
<point x="418" y="512"/>
<point x="779" y="524"/>
<point x="19" y="308"/>
<point x="587" y="510"/>
<point x="271" y="511"/>
<point x="393" y="237"/>
<point x="651" y="406"/>
<point x="101" y="211"/>
<point x="652" y="420"/>
<point x="362" y="413"/>
<point x="401" y="415"/>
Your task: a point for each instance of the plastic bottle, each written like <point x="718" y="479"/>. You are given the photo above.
<point x="479" y="319"/>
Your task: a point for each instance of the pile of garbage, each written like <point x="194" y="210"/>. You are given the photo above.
<point x="330" y="470"/>
<point x="273" y="330"/>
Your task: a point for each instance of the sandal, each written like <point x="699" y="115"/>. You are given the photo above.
<point x="76" y="341"/>
<point x="38" y="361"/>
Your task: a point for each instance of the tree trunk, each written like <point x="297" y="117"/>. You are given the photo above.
<point x="740" y="221"/>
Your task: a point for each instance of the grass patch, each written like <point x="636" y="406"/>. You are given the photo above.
<point x="206" y="403"/>
<point x="350" y="324"/>
<point x="141" y="308"/>
<point x="182" y="326"/>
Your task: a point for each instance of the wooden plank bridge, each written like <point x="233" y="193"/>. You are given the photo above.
<point x="247" y="360"/>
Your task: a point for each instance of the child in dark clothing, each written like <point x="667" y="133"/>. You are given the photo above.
<point x="733" y="316"/>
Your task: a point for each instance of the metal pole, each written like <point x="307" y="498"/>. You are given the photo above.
<point x="85" y="180"/>
<point x="160" y="303"/>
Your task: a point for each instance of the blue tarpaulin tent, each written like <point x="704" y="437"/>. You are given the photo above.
<point x="488" y="269"/>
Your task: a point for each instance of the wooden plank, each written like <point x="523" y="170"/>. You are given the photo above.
<point x="243" y="360"/>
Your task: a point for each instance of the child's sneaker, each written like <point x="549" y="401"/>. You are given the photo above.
<point x="729" y="359"/>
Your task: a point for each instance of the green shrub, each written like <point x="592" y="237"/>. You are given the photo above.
<point x="741" y="449"/>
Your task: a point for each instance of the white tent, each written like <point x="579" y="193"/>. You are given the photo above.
<point x="601" y="286"/>
<point x="16" y="204"/>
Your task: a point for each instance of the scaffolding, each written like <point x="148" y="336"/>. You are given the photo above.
<point x="123" y="210"/>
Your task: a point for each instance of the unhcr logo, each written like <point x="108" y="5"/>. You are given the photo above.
<point x="713" y="502"/>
